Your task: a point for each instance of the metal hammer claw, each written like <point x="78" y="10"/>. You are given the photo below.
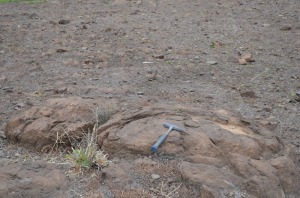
<point x="164" y="136"/>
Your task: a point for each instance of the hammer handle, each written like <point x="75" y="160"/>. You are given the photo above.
<point x="160" y="140"/>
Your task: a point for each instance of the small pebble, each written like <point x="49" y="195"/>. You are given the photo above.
<point x="160" y="56"/>
<point x="140" y="93"/>
<point x="242" y="61"/>
<point x="155" y="176"/>
<point x="7" y="89"/>
<point x="61" y="50"/>
<point x="20" y="105"/>
<point x="286" y="28"/>
<point x="64" y="22"/>
<point x="212" y="62"/>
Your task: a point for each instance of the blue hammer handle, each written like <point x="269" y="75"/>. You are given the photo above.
<point x="160" y="140"/>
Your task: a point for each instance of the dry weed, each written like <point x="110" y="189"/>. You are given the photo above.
<point x="166" y="169"/>
<point x="172" y="193"/>
<point x="132" y="193"/>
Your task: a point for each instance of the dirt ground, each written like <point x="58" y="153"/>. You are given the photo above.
<point x="143" y="52"/>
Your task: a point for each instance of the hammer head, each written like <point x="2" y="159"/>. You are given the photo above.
<point x="174" y="127"/>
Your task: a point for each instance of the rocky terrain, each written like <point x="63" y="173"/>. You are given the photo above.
<point x="225" y="72"/>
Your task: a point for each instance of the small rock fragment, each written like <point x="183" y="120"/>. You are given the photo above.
<point x="2" y="135"/>
<point x="270" y="123"/>
<point x="17" y="154"/>
<point x="247" y="57"/>
<point x="60" y="90"/>
<point x="160" y="56"/>
<point x="8" y="89"/>
<point x="294" y="77"/>
<point x="105" y="192"/>
<point x="152" y="75"/>
<point x="20" y="105"/>
<point x="286" y="27"/>
<point x="242" y="61"/>
<point x="222" y="119"/>
<point x="190" y="123"/>
<point x="2" y="79"/>
<point x="52" y="22"/>
<point x="248" y="94"/>
<point x="88" y="62"/>
<point x="140" y="93"/>
<point x="266" y="25"/>
<point x="212" y="62"/>
<point x="64" y="22"/>
<point x="155" y="176"/>
<point x="61" y="50"/>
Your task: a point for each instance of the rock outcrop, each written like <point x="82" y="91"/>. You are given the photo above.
<point x="55" y="122"/>
<point x="221" y="154"/>
<point x="32" y="179"/>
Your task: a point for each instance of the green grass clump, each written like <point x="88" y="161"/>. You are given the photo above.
<point x="212" y="45"/>
<point x="80" y="158"/>
<point x="88" y="153"/>
<point x="170" y="62"/>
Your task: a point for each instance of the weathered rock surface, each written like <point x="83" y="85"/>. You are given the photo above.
<point x="224" y="158"/>
<point x="222" y="155"/>
<point x="59" y="117"/>
<point x="32" y="179"/>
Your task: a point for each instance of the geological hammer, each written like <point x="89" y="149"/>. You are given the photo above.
<point x="164" y="136"/>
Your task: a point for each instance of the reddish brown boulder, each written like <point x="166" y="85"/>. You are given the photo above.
<point x="222" y="155"/>
<point x="60" y="117"/>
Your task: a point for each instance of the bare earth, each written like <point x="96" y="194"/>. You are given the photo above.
<point x="146" y="52"/>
